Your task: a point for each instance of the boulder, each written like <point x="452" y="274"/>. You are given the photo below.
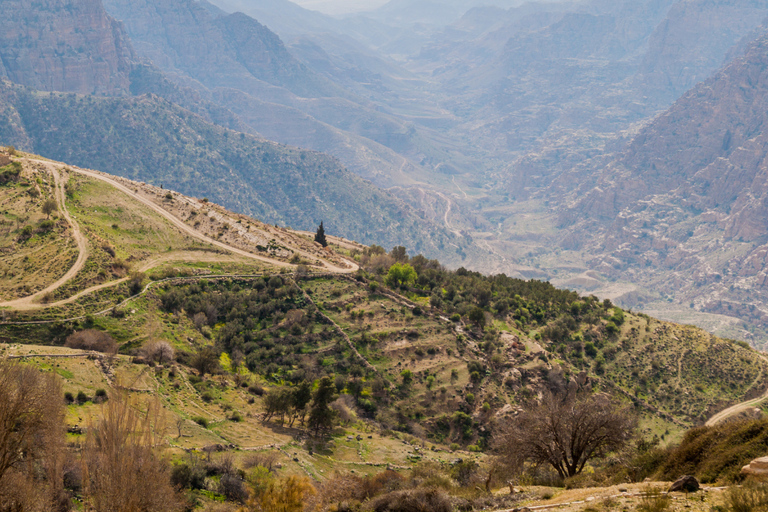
<point x="685" y="483"/>
<point x="758" y="467"/>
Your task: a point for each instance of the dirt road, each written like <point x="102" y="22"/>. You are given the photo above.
<point x="742" y="406"/>
<point x="82" y="246"/>
<point x="33" y="301"/>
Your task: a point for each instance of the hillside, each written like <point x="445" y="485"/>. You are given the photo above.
<point x="422" y="366"/>
<point x="135" y="238"/>
<point x="148" y="139"/>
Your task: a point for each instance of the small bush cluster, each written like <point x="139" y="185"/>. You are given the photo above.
<point x="92" y="339"/>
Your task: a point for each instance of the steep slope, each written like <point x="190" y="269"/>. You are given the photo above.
<point x="59" y="45"/>
<point x="689" y="197"/>
<point x="181" y="36"/>
<point x="148" y="139"/>
<point x="52" y="263"/>
<point x="693" y="41"/>
<point x="245" y="68"/>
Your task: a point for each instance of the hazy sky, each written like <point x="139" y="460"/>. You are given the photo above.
<point x="340" y="6"/>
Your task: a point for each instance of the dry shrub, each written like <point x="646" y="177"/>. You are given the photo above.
<point x="122" y="468"/>
<point x="345" y="409"/>
<point x="431" y="474"/>
<point x="343" y="489"/>
<point x="654" y="501"/>
<point x="751" y="497"/>
<point x="266" y="460"/>
<point x="232" y="487"/>
<point x="285" y="495"/>
<point x="91" y="339"/>
<point x="416" y="500"/>
<point x="386" y="481"/>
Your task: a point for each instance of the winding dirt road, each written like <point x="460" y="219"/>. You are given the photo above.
<point x="33" y="301"/>
<point x="740" y="407"/>
<point x="82" y="245"/>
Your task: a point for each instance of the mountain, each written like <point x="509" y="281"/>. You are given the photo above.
<point x="67" y="46"/>
<point x="149" y="139"/>
<point x="682" y="209"/>
<point x="182" y="36"/>
<point x="239" y="64"/>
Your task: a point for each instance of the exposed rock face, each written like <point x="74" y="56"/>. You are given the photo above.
<point x="182" y="36"/>
<point x="64" y="45"/>
<point x="693" y="40"/>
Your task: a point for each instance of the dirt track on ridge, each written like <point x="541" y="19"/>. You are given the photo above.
<point x="82" y="246"/>
<point x="33" y="301"/>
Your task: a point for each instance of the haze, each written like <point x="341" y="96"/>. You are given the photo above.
<point x="340" y="6"/>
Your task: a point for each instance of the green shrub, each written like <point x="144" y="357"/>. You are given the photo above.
<point x="717" y="453"/>
<point x="201" y="421"/>
<point x="81" y="397"/>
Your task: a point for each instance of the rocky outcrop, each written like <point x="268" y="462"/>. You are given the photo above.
<point x="685" y="484"/>
<point x="756" y="468"/>
<point x="64" y="45"/>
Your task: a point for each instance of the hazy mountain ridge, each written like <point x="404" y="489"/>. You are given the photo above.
<point x="689" y="197"/>
<point x="149" y="139"/>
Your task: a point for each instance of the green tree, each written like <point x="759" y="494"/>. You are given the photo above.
<point x="205" y="361"/>
<point x="49" y="206"/>
<point x="320" y="235"/>
<point x="321" y="416"/>
<point x="399" y="254"/>
<point x="300" y="397"/>
<point x="401" y="275"/>
<point x="477" y="316"/>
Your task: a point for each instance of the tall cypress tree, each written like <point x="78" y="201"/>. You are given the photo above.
<point x="320" y="236"/>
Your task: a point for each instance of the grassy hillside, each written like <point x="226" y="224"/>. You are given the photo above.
<point x="148" y="139"/>
<point x="422" y="363"/>
<point x="444" y="341"/>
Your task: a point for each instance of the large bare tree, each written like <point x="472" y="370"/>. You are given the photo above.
<point x="123" y="468"/>
<point x="31" y="438"/>
<point x="565" y="431"/>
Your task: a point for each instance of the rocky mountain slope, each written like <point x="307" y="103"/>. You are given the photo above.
<point x="682" y="210"/>
<point x="245" y="67"/>
<point x="67" y="46"/>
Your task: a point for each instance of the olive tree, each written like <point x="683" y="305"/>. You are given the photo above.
<point x="565" y="431"/>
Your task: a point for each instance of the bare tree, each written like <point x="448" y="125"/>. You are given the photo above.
<point x="31" y="438"/>
<point x="160" y="352"/>
<point x="122" y="468"/>
<point x="565" y="432"/>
